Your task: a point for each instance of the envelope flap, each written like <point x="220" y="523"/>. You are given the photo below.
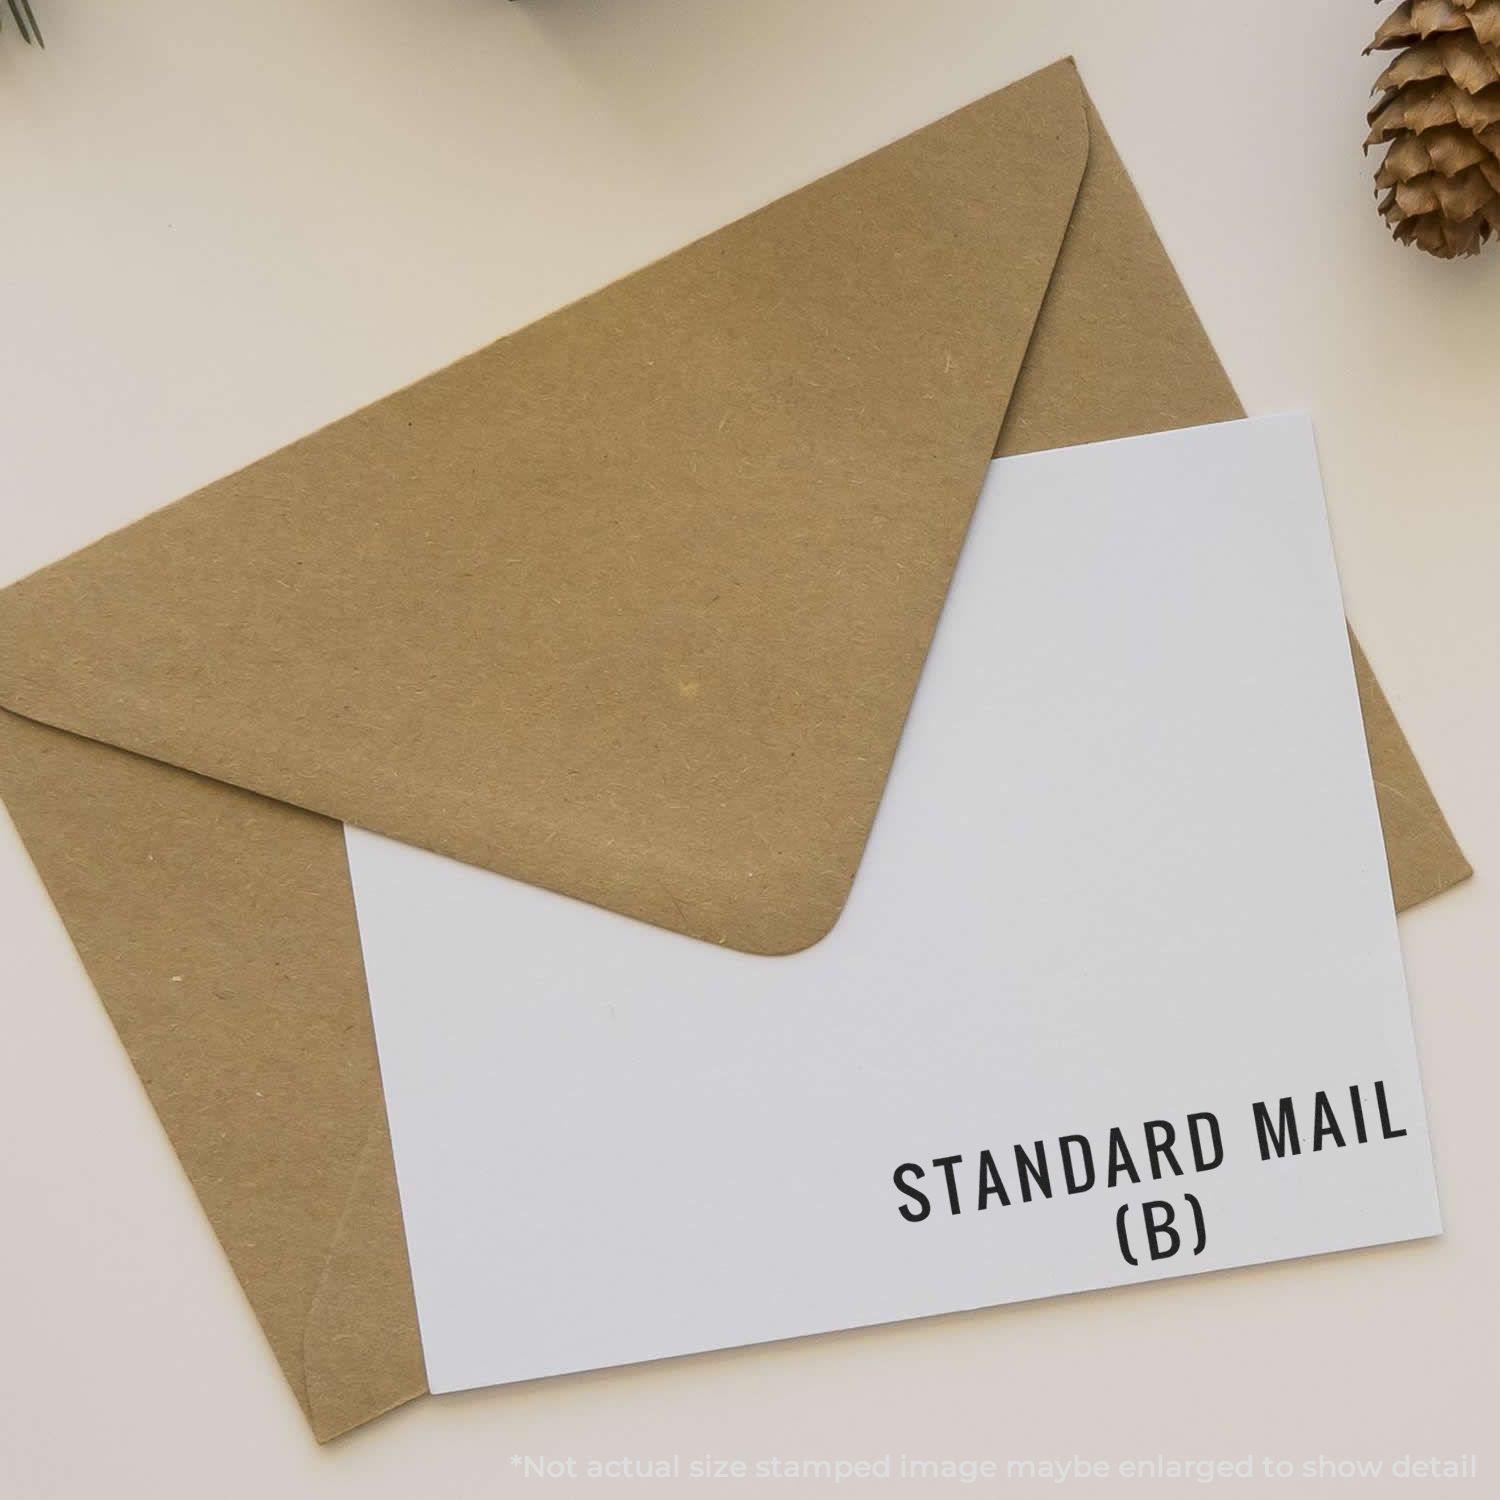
<point x="632" y="603"/>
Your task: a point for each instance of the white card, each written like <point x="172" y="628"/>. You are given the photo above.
<point x="1128" y="869"/>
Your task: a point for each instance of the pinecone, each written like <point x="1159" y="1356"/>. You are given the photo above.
<point x="1440" y="111"/>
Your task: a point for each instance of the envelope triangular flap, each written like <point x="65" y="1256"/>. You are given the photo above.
<point x="630" y="604"/>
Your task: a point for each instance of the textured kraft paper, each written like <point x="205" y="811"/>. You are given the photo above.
<point x="630" y="604"/>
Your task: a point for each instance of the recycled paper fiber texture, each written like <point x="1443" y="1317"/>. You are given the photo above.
<point x="630" y="604"/>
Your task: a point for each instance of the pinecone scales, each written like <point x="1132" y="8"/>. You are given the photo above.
<point x="1439" y="116"/>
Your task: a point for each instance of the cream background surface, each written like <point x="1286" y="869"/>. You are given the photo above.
<point x="227" y="224"/>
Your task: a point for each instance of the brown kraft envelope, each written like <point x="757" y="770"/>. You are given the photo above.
<point x="630" y="604"/>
